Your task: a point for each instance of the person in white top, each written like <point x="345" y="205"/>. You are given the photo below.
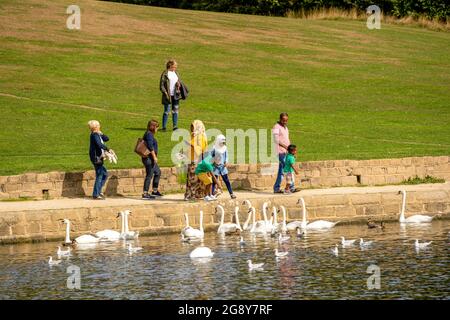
<point x="169" y="84"/>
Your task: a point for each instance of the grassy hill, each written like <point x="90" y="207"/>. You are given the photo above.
<point x="352" y="93"/>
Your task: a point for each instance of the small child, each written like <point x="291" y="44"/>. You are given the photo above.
<point x="220" y="155"/>
<point x="289" y="169"/>
<point x="204" y="172"/>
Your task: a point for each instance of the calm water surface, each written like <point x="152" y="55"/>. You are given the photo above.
<point x="163" y="269"/>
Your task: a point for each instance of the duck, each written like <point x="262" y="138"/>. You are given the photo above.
<point x="417" y="218"/>
<point x="52" y="262"/>
<point x="373" y="225"/>
<point x="364" y="244"/>
<point x="347" y="243"/>
<point x="335" y="250"/>
<point x="201" y="252"/>
<point x="190" y="233"/>
<point x="422" y="245"/>
<point x="279" y="254"/>
<point x="84" y="239"/>
<point x="132" y="249"/>
<point x="316" y="225"/>
<point x="63" y="253"/>
<point x="254" y="266"/>
<point x="227" y="228"/>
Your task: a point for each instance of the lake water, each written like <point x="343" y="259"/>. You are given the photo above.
<point x="163" y="269"/>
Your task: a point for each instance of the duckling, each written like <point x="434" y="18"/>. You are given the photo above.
<point x="373" y="225"/>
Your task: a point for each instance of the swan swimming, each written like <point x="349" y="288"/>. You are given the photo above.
<point x="125" y="233"/>
<point x="254" y="266"/>
<point x="52" y="262"/>
<point x="417" y="218"/>
<point x="84" y="239"/>
<point x="282" y="238"/>
<point x="190" y="233"/>
<point x="259" y="226"/>
<point x="201" y="252"/>
<point x="347" y="243"/>
<point x="229" y="227"/>
<point x="315" y="225"/>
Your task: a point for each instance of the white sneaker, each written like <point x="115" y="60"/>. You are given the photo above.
<point x="207" y="198"/>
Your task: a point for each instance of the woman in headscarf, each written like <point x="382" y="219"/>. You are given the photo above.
<point x="198" y="146"/>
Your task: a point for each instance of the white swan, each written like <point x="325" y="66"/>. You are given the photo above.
<point x="422" y="245"/>
<point x="84" y="239"/>
<point x="189" y="233"/>
<point x="257" y="226"/>
<point x="315" y="225"/>
<point x="364" y="244"/>
<point x="201" y="252"/>
<point x="254" y="266"/>
<point x="108" y="235"/>
<point x="293" y="225"/>
<point x="417" y="218"/>
<point x="335" y="250"/>
<point x="52" y="262"/>
<point x="132" y="249"/>
<point x="279" y="254"/>
<point x="63" y="253"/>
<point x="283" y="227"/>
<point x="347" y="243"/>
<point x="126" y="233"/>
<point x="228" y="227"/>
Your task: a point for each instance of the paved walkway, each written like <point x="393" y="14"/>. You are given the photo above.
<point x="68" y="203"/>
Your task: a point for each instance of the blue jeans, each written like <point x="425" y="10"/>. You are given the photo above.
<point x="280" y="174"/>
<point x="100" y="179"/>
<point x="175" y="105"/>
<point x="152" y="172"/>
<point x="227" y="183"/>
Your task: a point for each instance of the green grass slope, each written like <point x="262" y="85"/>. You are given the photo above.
<point x="352" y="93"/>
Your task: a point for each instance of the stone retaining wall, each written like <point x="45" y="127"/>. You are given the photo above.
<point x="158" y="217"/>
<point x="315" y="174"/>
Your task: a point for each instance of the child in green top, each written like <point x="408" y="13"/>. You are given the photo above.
<point x="204" y="172"/>
<point x="289" y="168"/>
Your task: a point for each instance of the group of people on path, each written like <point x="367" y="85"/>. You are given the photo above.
<point x="206" y="167"/>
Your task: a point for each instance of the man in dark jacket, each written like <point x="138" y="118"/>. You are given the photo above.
<point x="96" y="148"/>
<point x="169" y="85"/>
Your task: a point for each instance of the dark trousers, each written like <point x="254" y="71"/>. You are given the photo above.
<point x="101" y="174"/>
<point x="227" y="183"/>
<point x="151" y="171"/>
